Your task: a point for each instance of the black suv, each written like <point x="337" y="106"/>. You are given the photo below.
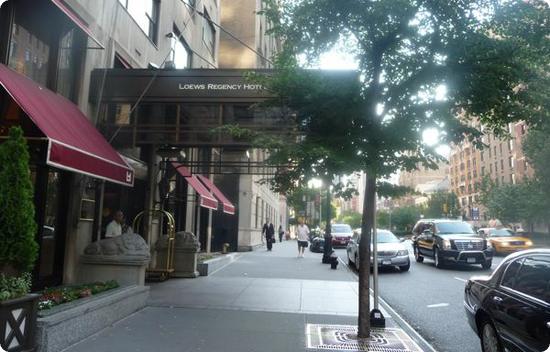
<point x="450" y="241"/>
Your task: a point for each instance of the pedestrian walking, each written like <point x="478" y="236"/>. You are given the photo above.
<point x="269" y="231"/>
<point x="281" y="233"/>
<point x="302" y="233"/>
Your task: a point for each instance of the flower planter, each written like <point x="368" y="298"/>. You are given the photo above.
<point x="18" y="323"/>
<point x="62" y="326"/>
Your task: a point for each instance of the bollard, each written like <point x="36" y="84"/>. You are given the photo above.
<point x="225" y="248"/>
<point x="333" y="261"/>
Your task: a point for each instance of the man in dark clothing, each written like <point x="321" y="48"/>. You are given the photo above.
<point x="269" y="231"/>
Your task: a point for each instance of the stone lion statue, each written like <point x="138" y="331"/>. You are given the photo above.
<point x="127" y="244"/>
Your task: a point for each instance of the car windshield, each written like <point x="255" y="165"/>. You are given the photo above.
<point x="501" y="233"/>
<point x="341" y="228"/>
<point x="449" y="228"/>
<point x="386" y="237"/>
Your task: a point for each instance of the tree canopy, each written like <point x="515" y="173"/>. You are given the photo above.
<point x="421" y="64"/>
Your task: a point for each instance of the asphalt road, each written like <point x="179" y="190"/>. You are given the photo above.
<point x="430" y="300"/>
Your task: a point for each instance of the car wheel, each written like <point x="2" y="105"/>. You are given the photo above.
<point x="487" y="264"/>
<point x="437" y="259"/>
<point x="417" y="255"/>
<point x="405" y="267"/>
<point x="350" y="262"/>
<point x="490" y="341"/>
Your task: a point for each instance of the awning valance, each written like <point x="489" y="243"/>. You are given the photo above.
<point x="206" y="199"/>
<point x="73" y="142"/>
<point x="76" y="20"/>
<point x="228" y="207"/>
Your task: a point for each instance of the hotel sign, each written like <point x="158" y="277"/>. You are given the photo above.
<point x="194" y="85"/>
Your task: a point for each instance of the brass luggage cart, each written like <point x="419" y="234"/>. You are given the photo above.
<point x="161" y="273"/>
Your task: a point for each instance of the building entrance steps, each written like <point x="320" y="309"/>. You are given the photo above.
<point x="264" y="301"/>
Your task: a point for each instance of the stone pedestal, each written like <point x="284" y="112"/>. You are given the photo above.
<point x="185" y="254"/>
<point x="123" y="258"/>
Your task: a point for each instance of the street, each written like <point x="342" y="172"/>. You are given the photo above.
<point x="430" y="300"/>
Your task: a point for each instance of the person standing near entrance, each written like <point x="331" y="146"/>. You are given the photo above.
<point x="302" y="233"/>
<point x="281" y="233"/>
<point x="269" y="230"/>
<point x="114" y="228"/>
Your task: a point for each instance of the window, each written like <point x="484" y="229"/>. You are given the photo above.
<point x="496" y="166"/>
<point x="495" y="151"/>
<point x="508" y="279"/>
<point x="146" y="15"/>
<point x="511" y="162"/>
<point x="29" y="55"/>
<point x="481" y="156"/>
<point x="181" y="53"/>
<point x="501" y="165"/>
<point x="534" y="278"/>
<point x="483" y="171"/>
<point x="209" y="33"/>
<point x="511" y="145"/>
<point x="513" y="179"/>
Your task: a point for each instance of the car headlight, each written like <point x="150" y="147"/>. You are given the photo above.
<point x="402" y="252"/>
<point x="528" y="243"/>
<point x="446" y="244"/>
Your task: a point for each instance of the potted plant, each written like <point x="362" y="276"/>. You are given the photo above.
<point x="18" y="249"/>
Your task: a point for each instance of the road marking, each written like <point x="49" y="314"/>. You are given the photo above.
<point x="460" y="279"/>
<point x="438" y="305"/>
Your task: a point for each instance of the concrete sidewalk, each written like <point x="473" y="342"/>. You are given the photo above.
<point x="264" y="301"/>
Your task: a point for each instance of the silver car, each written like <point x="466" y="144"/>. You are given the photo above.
<point x="391" y="252"/>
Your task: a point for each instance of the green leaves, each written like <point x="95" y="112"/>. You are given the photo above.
<point x="18" y="248"/>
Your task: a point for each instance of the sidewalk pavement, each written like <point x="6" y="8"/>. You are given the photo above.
<point x="264" y="301"/>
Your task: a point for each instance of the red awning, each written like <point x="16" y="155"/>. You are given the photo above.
<point x="206" y="199"/>
<point x="73" y="142"/>
<point x="77" y="20"/>
<point x="228" y="207"/>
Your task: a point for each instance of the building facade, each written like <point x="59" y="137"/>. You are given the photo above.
<point x="502" y="161"/>
<point x="71" y="58"/>
<point x="424" y="181"/>
<point x="257" y="203"/>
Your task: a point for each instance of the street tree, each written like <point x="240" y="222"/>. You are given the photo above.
<point x="421" y="64"/>
<point x="511" y="203"/>
<point x="442" y="204"/>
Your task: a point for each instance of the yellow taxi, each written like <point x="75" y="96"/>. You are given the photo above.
<point x="504" y="240"/>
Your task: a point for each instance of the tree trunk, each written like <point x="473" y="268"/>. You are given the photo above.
<point x="369" y="203"/>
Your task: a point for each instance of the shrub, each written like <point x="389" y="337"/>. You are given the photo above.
<point x="13" y="287"/>
<point x="18" y="249"/>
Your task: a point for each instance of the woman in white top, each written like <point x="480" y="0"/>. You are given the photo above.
<point x="302" y="233"/>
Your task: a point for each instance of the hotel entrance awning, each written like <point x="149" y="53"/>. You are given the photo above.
<point x="206" y="199"/>
<point x="228" y="207"/>
<point x="73" y="142"/>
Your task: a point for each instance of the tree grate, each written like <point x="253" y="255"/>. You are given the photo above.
<point x="344" y="338"/>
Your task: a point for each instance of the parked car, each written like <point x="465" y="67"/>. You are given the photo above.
<point x="341" y="234"/>
<point x="391" y="252"/>
<point x="510" y="310"/>
<point x="504" y="240"/>
<point x="450" y="241"/>
<point x="317" y="245"/>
